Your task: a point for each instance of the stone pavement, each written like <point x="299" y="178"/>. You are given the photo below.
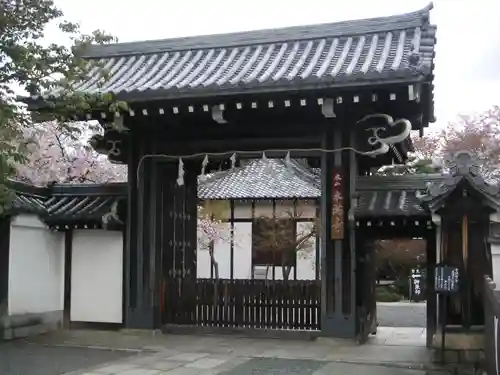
<point x="21" y="358"/>
<point x="402" y="314"/>
<point x="392" y="352"/>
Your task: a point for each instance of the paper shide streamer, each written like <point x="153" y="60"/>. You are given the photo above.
<point x="180" y="176"/>
<point x="204" y="164"/>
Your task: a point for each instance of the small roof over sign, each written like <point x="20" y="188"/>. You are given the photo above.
<point x="463" y="168"/>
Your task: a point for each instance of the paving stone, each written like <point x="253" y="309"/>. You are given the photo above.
<point x="380" y="354"/>
<point x="116" y="368"/>
<point x="139" y="371"/>
<point x="354" y="369"/>
<point x="401" y="314"/>
<point x="164" y="365"/>
<point x="143" y="361"/>
<point x="188" y="357"/>
<point x="187" y="371"/>
<point x="25" y="358"/>
<point x="206" y="363"/>
<point x="272" y="366"/>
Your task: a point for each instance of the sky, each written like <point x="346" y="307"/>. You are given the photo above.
<point x="468" y="36"/>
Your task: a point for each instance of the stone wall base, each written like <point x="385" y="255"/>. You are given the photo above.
<point x="459" y="356"/>
<point x="464" y="351"/>
<point x="469" y="340"/>
<point x="24" y="325"/>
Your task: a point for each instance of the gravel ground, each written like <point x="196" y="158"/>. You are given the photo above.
<point x="401" y="314"/>
<point x="22" y="358"/>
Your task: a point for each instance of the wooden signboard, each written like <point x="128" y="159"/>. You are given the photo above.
<point x="446" y="279"/>
<point x="337" y="206"/>
<point x="417" y="285"/>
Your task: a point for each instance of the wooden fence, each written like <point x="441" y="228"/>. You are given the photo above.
<point x="260" y="304"/>
<point x="491" y="297"/>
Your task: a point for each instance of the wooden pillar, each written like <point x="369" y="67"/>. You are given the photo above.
<point x="337" y="235"/>
<point x="161" y="234"/>
<point x="4" y="263"/>
<point x="431" y="297"/>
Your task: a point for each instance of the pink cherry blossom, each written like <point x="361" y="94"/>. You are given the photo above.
<point x="64" y="156"/>
<point x="61" y="156"/>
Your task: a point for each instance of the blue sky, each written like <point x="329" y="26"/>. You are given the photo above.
<point x="468" y="49"/>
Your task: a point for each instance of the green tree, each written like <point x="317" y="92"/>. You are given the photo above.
<point x="34" y="64"/>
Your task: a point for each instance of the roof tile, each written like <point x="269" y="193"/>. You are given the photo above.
<point x="258" y="179"/>
<point x="395" y="47"/>
<point x="273" y="178"/>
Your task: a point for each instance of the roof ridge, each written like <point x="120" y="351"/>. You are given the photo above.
<point x="25" y="188"/>
<point x="354" y="27"/>
<point x="305" y="173"/>
<point x="211" y="177"/>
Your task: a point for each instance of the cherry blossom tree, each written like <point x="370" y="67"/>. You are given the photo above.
<point x="477" y="132"/>
<point x="284" y="240"/>
<point x="31" y="63"/>
<point x="55" y="154"/>
<point x="210" y="232"/>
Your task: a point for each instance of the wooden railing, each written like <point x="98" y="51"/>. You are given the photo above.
<point x="265" y="304"/>
<point x="491" y="297"/>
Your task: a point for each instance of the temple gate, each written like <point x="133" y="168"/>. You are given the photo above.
<point x="344" y="96"/>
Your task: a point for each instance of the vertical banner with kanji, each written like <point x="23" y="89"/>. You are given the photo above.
<point x="337" y="206"/>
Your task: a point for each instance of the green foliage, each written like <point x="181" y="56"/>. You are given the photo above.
<point x="29" y="62"/>
<point x="402" y="286"/>
<point x="395" y="258"/>
<point x="387" y="293"/>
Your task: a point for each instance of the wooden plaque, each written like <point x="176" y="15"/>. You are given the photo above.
<point x="337" y="206"/>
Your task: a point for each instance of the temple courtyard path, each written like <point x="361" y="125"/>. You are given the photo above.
<point x="394" y="351"/>
<point x="402" y="314"/>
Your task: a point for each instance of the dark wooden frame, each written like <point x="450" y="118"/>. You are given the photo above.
<point x="5" y="223"/>
<point x="491" y="298"/>
<point x="394" y="227"/>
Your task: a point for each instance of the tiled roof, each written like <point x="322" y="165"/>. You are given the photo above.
<point x="392" y="195"/>
<point x="68" y="203"/>
<point x="399" y="47"/>
<point x="29" y="199"/>
<point x="89" y="204"/>
<point x="258" y="179"/>
<point x="463" y="169"/>
<point x="271" y="178"/>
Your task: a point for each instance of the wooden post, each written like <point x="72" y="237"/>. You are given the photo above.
<point x="430" y="290"/>
<point x="337" y="235"/>
<point x="466" y="292"/>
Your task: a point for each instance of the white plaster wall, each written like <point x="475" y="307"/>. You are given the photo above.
<point x="306" y="256"/>
<point x="36" y="267"/>
<point x="495" y="251"/>
<point x="495" y="259"/>
<point x="242" y="243"/>
<point x="97" y="276"/>
<point x="242" y="250"/>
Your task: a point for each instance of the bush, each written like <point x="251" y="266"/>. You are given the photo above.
<point x="402" y="286"/>
<point x="387" y="294"/>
